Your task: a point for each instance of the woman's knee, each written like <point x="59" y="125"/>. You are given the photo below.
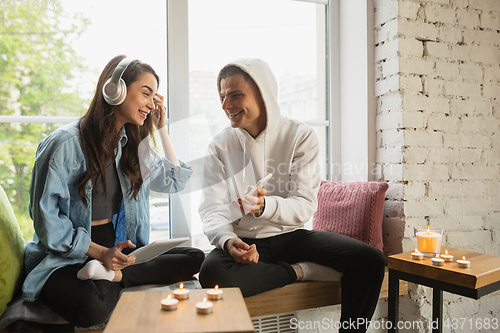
<point x="90" y="314"/>
<point x="198" y="256"/>
<point x="83" y="310"/>
<point x="194" y="255"/>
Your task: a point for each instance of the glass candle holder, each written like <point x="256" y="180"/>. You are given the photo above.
<point x="428" y="240"/>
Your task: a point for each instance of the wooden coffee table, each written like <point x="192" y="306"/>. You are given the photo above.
<point x="140" y="311"/>
<point x="482" y="278"/>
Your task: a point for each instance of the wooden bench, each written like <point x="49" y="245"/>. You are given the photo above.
<point x="306" y="295"/>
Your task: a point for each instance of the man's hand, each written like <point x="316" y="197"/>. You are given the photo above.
<point x="251" y="204"/>
<point x="241" y="251"/>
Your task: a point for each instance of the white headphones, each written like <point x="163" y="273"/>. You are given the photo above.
<point x="115" y="89"/>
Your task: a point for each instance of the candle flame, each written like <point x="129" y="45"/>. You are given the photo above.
<point x="181" y="286"/>
<point x="169" y="297"/>
<point x="437" y="255"/>
<point x="428" y="229"/>
<point x="463" y="258"/>
<point x="216" y="287"/>
<point x="446" y="252"/>
<point x="204" y="299"/>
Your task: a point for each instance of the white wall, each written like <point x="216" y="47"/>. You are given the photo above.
<point x="438" y="122"/>
<point x="437" y="84"/>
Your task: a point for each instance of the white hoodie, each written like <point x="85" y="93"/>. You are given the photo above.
<point x="286" y="148"/>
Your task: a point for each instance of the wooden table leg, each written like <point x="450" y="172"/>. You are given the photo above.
<point x="437" y="310"/>
<point x="393" y="310"/>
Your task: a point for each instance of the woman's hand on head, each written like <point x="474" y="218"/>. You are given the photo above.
<point x="159" y="113"/>
<point x="114" y="259"/>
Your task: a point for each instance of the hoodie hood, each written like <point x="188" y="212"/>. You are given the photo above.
<point x="260" y="72"/>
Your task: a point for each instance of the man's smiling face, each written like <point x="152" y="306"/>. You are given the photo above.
<point x="243" y="104"/>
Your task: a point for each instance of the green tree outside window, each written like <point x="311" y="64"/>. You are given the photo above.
<point x="38" y="71"/>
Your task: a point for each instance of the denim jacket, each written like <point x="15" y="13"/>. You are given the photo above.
<point x="63" y="223"/>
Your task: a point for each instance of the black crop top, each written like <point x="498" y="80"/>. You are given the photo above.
<point x="104" y="207"/>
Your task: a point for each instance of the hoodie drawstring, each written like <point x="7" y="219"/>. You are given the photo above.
<point x="244" y="166"/>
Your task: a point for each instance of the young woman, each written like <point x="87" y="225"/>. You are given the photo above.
<point x="83" y="174"/>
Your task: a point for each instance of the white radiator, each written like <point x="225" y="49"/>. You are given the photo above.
<point x="277" y="323"/>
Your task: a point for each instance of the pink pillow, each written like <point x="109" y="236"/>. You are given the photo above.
<point x="352" y="209"/>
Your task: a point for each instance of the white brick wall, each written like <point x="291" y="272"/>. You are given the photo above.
<point x="438" y="138"/>
<point x="448" y="83"/>
<point x="436" y="50"/>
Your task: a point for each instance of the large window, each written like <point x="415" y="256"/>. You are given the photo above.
<point x="50" y="61"/>
<point x="288" y="35"/>
<point x="51" y="54"/>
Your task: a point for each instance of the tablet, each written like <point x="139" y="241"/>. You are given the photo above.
<point x="154" y="249"/>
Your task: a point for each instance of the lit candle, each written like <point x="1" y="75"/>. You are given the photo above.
<point x="417" y="255"/>
<point x="181" y="293"/>
<point x="463" y="263"/>
<point x="428" y="241"/>
<point x="447" y="257"/>
<point x="215" y="293"/>
<point x="204" y="307"/>
<point x="437" y="261"/>
<point x="169" y="303"/>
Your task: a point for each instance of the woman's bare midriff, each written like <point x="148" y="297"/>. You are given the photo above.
<point x="100" y="222"/>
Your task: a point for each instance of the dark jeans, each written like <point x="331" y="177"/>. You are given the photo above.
<point x="362" y="266"/>
<point x="86" y="303"/>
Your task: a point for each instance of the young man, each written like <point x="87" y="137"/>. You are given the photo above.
<point x="260" y="240"/>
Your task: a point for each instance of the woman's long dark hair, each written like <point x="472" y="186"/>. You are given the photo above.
<point x="100" y="138"/>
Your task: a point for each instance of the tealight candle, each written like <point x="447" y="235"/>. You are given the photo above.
<point x="417" y="255"/>
<point x="447" y="257"/>
<point x="437" y="261"/>
<point x="169" y="303"/>
<point x="463" y="263"/>
<point x="204" y="307"/>
<point x="215" y="293"/>
<point x="181" y="293"/>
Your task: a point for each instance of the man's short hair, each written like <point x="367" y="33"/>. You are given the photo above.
<point x="231" y="70"/>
